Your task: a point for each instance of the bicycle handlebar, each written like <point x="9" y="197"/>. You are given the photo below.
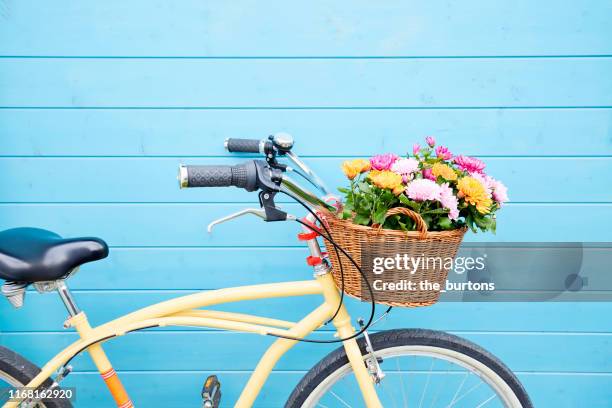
<point x="244" y="145"/>
<point x="241" y="175"/>
<point x="251" y="175"/>
<point x="257" y="174"/>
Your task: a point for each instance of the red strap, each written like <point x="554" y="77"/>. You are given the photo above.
<point x="307" y="236"/>
<point x="313" y="260"/>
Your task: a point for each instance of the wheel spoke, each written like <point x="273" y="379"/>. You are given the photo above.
<point x="482" y="404"/>
<point x="427" y="382"/>
<point x="438" y="389"/>
<point x="399" y="372"/>
<point x="389" y="394"/>
<point x="343" y="402"/>
<point x="465" y="394"/>
<point x="467" y="374"/>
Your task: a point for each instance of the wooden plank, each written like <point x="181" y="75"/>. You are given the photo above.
<point x="549" y="316"/>
<point x="212" y="268"/>
<point x="306" y="83"/>
<point x="543" y="352"/>
<point x="481" y="132"/>
<point x="154" y="179"/>
<point x="274" y="28"/>
<point x="184" y="224"/>
<point x="174" y="389"/>
<point x="192" y="268"/>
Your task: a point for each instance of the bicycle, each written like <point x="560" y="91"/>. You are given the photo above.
<point x="386" y="366"/>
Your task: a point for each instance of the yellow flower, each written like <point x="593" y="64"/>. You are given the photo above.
<point x="353" y="167"/>
<point x="475" y="193"/>
<point x="444" y="171"/>
<point x="349" y="170"/>
<point x="388" y="180"/>
<point x="362" y="165"/>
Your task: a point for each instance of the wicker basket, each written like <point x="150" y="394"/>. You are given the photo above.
<point x="388" y="243"/>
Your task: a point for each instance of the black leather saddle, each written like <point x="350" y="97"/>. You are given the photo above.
<point x="34" y="255"/>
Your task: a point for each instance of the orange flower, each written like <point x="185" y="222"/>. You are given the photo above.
<point x="353" y="167"/>
<point x="444" y="171"/>
<point x="362" y="164"/>
<point x="387" y="180"/>
<point x="473" y="192"/>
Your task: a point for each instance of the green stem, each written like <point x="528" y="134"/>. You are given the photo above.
<point x="353" y="193"/>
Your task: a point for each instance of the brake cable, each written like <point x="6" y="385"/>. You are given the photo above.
<point x="337" y="247"/>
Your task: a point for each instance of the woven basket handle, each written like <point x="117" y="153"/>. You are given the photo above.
<point x="419" y="223"/>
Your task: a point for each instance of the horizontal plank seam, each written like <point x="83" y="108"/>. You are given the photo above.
<point x="559" y="107"/>
<point x="303" y="156"/>
<point x="309" y="57"/>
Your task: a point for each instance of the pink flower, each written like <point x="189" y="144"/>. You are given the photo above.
<point x="423" y="189"/>
<point x="405" y="168"/>
<point x="500" y="192"/>
<point x="416" y="148"/>
<point x="449" y="201"/>
<point x="469" y="164"/>
<point x="431" y="141"/>
<point x="443" y="153"/>
<point x="428" y="174"/>
<point x="383" y="161"/>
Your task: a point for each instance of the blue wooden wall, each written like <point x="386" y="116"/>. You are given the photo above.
<point x="100" y="101"/>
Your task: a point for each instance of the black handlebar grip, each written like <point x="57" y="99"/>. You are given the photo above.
<point x="242" y="176"/>
<point x="242" y="145"/>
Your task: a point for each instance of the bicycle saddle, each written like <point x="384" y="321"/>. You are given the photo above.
<point x="34" y="255"/>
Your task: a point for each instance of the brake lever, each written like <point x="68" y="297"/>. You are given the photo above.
<point x="259" y="212"/>
<point x="255" y="211"/>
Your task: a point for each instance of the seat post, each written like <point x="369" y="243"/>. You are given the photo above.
<point x="67" y="298"/>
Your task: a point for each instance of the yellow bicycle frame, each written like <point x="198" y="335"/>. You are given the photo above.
<point x="183" y="311"/>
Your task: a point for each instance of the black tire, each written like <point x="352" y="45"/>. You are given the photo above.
<point x="405" y="337"/>
<point x="23" y="371"/>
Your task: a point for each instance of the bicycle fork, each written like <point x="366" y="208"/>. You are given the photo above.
<point x="342" y="321"/>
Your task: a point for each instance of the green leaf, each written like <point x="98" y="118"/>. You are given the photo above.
<point x="363" y="186"/>
<point x="344" y="190"/>
<point x="361" y="219"/>
<point x="408" y="203"/>
<point x="404" y="200"/>
<point x="482" y="222"/>
<point x="445" y="223"/>
<point x="469" y="220"/>
<point x="379" y="216"/>
<point x="427" y="220"/>
<point x="435" y="211"/>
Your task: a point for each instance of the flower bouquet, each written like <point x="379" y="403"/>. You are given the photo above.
<point x="417" y="206"/>
<point x="447" y="191"/>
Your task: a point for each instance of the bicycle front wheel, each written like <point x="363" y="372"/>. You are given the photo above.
<point x="423" y="368"/>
